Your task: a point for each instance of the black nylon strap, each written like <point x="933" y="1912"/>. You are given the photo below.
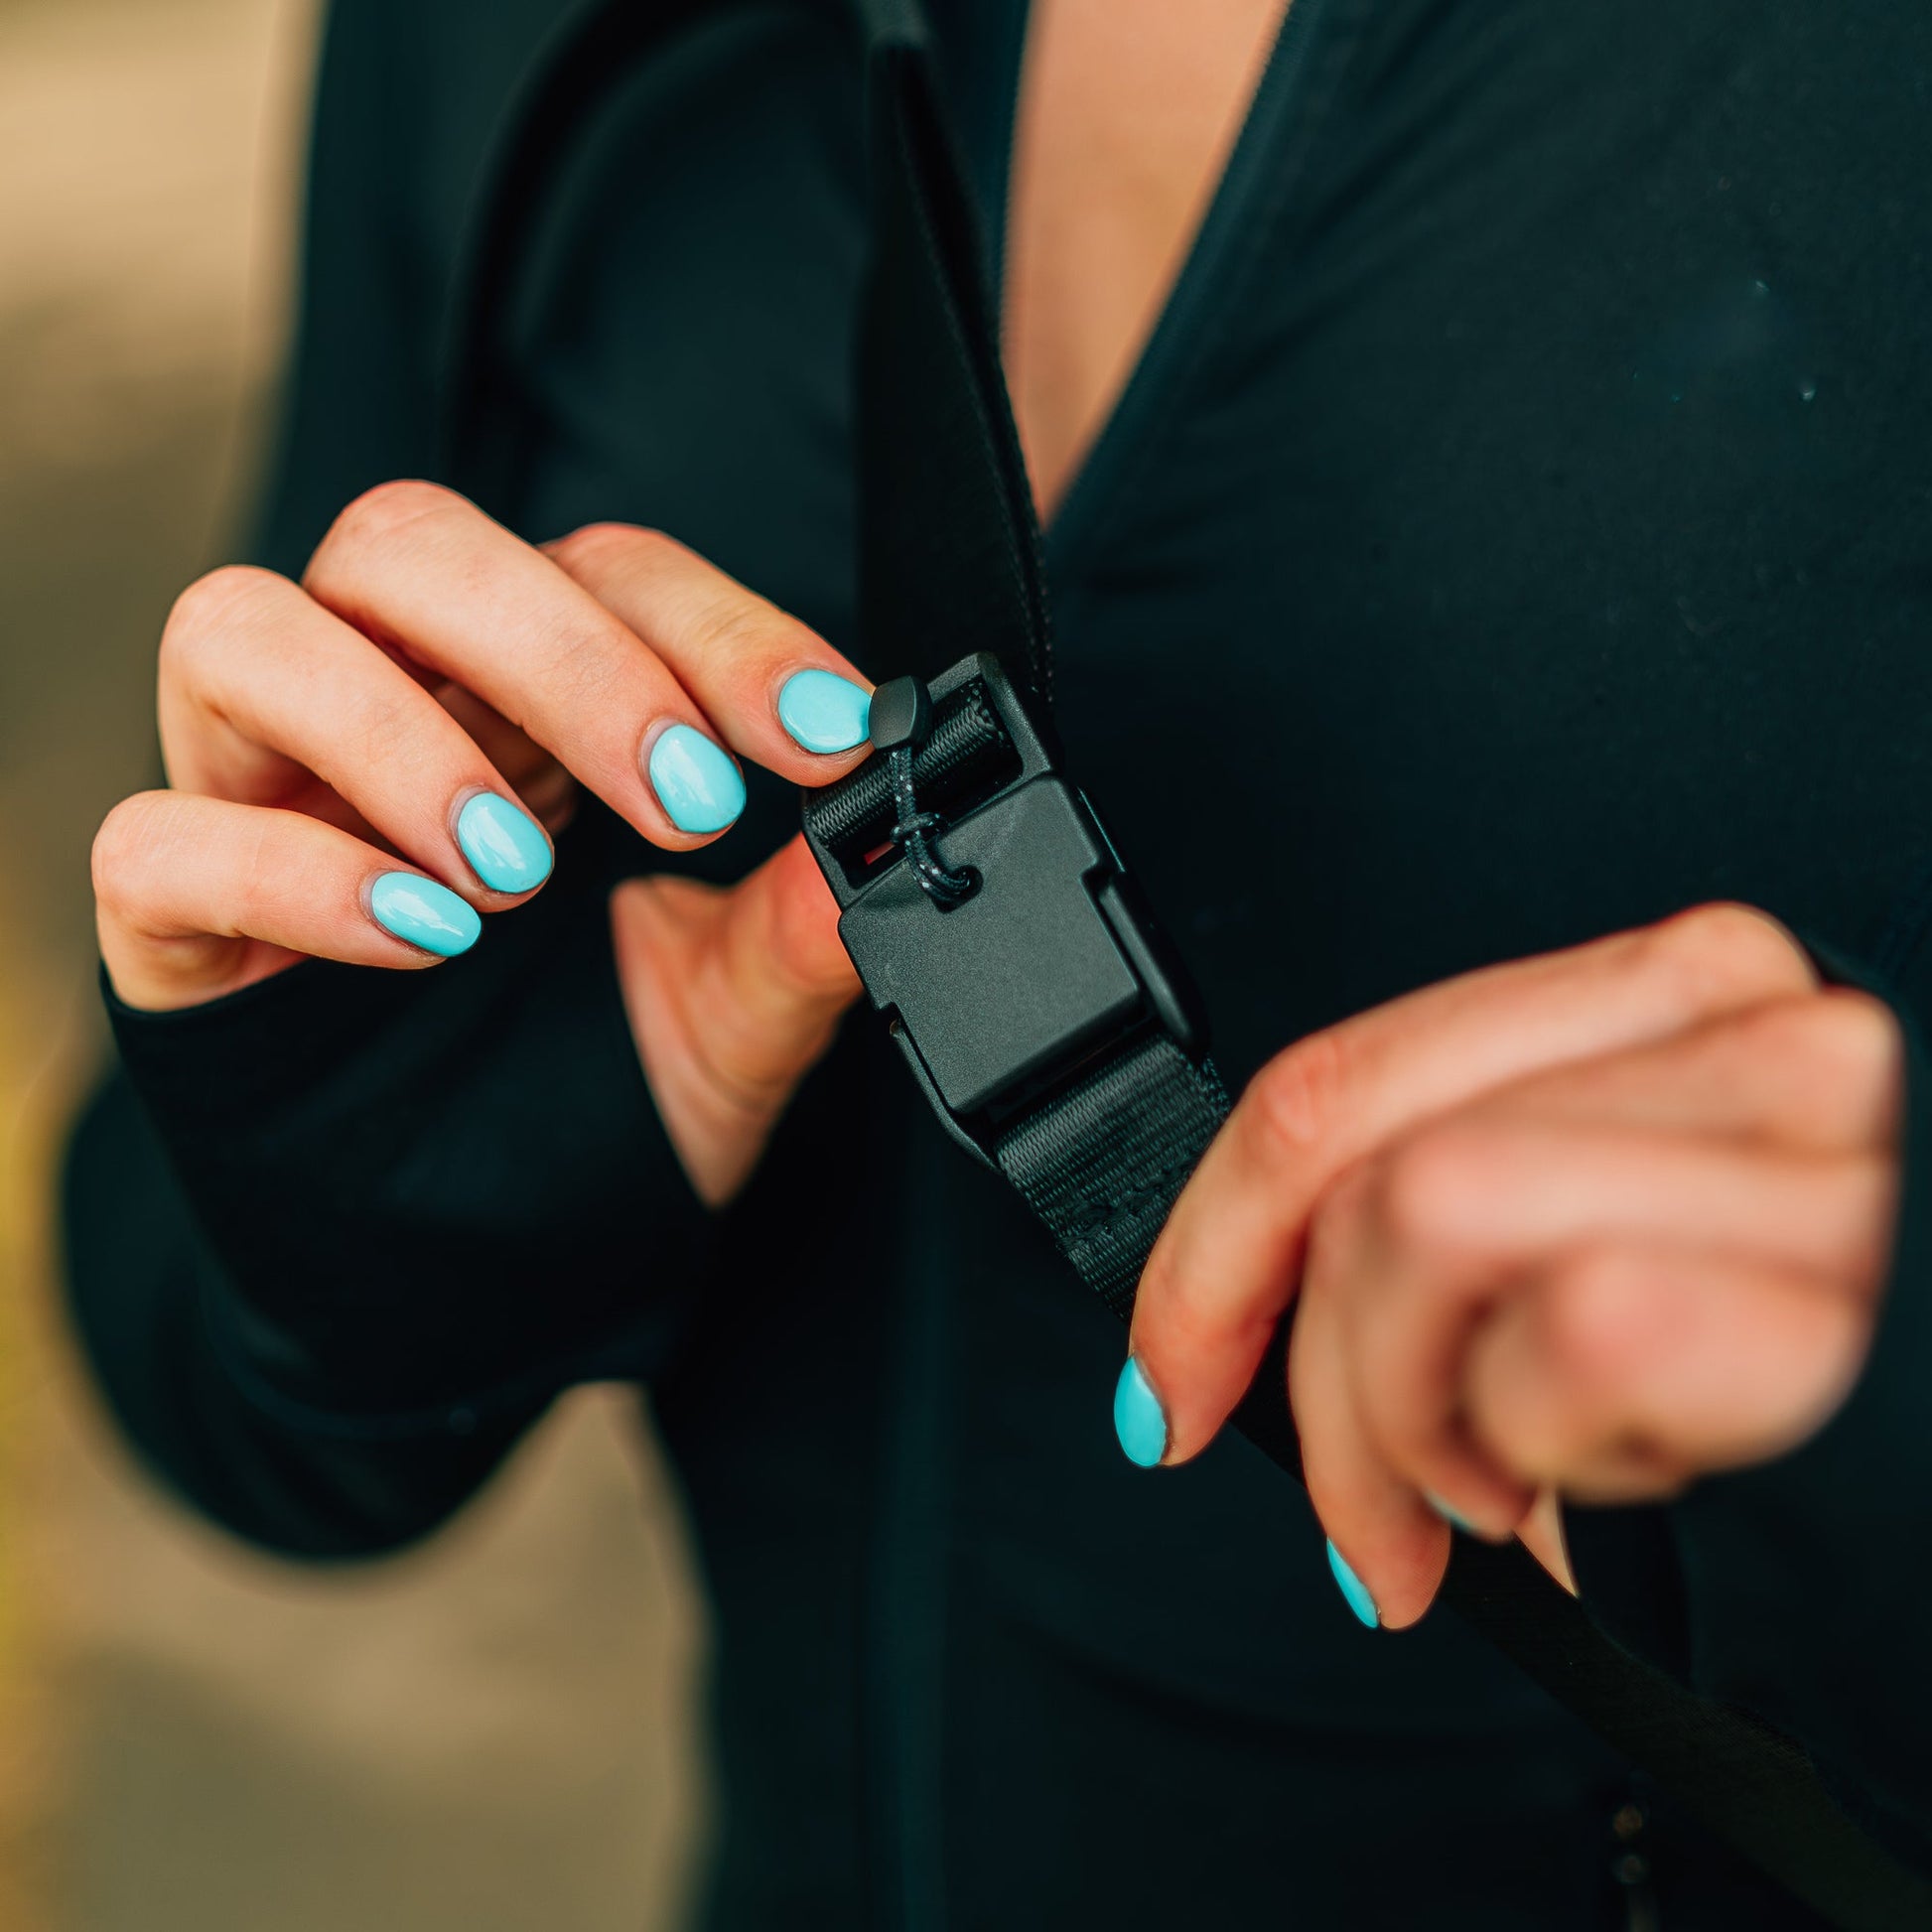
<point x="950" y="564"/>
<point x="1103" y="1163"/>
<point x="949" y="554"/>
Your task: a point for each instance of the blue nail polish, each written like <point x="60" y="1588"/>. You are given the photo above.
<point x="695" y="783"/>
<point x="1355" y="1591"/>
<point x="1138" y="1420"/>
<point x="425" y="913"/>
<point x="1454" y="1520"/>
<point x="505" y="847"/>
<point x="824" y="712"/>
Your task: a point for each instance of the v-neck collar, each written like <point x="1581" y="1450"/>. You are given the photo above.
<point x="1194" y="315"/>
<point x="981" y="45"/>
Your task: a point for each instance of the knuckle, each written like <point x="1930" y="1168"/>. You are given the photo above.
<point x="591" y="550"/>
<point x="1842" y="1043"/>
<point x="1434" y="1187"/>
<point x="124" y="844"/>
<point x="1860" y="1034"/>
<point x="1295" y="1101"/>
<point x="213" y="608"/>
<point x="1722" y="950"/>
<point x="379" y="516"/>
<point x="1598" y="1323"/>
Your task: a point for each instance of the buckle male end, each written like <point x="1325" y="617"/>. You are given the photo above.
<point x="1055" y="957"/>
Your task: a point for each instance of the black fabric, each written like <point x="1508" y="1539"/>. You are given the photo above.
<point x="1516" y="529"/>
<point x="1102" y="1163"/>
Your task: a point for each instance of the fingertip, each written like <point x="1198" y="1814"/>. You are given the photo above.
<point x="505" y="847"/>
<point x="423" y="913"/>
<point x="699" y="786"/>
<point x="824" y="712"/>
<point x="1404" y="1591"/>
<point x="1354" y="1592"/>
<point x="1140" y="1417"/>
<point x="1394" y="1568"/>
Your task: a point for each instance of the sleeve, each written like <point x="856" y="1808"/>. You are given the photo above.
<point x="1797" y="1589"/>
<point x="332" y="1243"/>
<point x="336" y="1240"/>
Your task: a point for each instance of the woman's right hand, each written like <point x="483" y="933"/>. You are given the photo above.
<point x="361" y="764"/>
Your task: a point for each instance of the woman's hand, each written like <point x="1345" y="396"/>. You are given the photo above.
<point x="362" y="765"/>
<point x="1593" y="1223"/>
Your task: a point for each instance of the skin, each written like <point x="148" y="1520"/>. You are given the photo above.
<point x="1593" y="1223"/>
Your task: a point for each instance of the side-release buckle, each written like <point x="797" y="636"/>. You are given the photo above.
<point x="1049" y="957"/>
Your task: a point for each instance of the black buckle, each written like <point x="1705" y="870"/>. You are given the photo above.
<point x="1053" y="956"/>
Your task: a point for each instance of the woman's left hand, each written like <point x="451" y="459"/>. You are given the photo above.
<point x="1593" y="1223"/>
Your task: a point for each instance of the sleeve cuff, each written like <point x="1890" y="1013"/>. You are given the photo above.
<point x="428" y="1193"/>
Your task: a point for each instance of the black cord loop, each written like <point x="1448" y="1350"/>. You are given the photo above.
<point x="912" y="832"/>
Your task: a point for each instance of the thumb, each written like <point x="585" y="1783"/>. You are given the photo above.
<point x="781" y="966"/>
<point x="733" y="994"/>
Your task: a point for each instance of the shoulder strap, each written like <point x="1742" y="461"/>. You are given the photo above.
<point x="943" y="558"/>
<point x="951" y="564"/>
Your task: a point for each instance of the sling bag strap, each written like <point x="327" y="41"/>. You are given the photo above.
<point x="950" y="566"/>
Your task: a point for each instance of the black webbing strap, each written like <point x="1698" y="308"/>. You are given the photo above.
<point x="1102" y="1163"/>
<point x="950" y="564"/>
<point x="945" y="568"/>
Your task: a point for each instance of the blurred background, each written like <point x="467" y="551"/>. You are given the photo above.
<point x="497" y="1731"/>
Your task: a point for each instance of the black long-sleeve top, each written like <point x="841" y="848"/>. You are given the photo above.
<point x="1518" y="528"/>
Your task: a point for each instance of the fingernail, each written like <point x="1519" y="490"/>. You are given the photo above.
<point x="695" y="783"/>
<point x="425" y="913"/>
<point x="824" y="712"/>
<point x="1355" y="1590"/>
<point x="505" y="847"/>
<point x="1449" y="1516"/>
<point x="1138" y="1420"/>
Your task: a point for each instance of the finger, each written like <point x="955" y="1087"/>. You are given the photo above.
<point x="1820" y="1072"/>
<point x="198" y="896"/>
<point x="1395" y="1540"/>
<point x="733" y="994"/>
<point x="780" y="694"/>
<point x="427" y="574"/>
<point x="1467" y="1209"/>
<point x="1226" y="1263"/>
<point x="1623" y="1371"/>
<point x="265" y="682"/>
<point x="1391" y="1548"/>
<point x="422" y="570"/>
